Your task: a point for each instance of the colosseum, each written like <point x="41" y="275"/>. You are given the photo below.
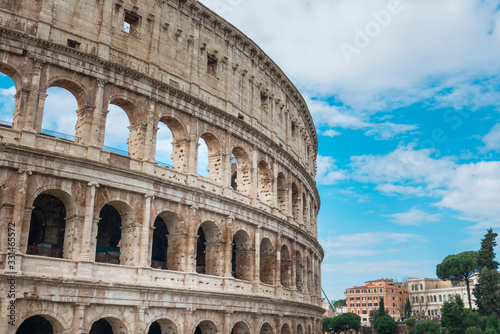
<point x="97" y="241"/>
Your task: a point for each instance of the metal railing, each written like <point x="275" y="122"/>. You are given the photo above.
<point x="68" y="137"/>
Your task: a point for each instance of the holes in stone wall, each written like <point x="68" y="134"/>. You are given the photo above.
<point x="265" y="183"/>
<point x="267" y="262"/>
<point x="282" y="194"/>
<point x="242" y="259"/>
<point x="295" y="202"/>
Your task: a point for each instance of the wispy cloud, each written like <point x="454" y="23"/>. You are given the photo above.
<point x="413" y="217"/>
<point x="327" y="172"/>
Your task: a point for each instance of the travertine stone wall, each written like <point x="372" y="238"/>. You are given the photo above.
<point x="238" y="250"/>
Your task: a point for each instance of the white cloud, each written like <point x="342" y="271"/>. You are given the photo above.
<point x="327" y="172"/>
<point x="492" y="139"/>
<point x="366" y="244"/>
<point x="389" y="188"/>
<point x="413" y="217"/>
<point x="414" y="56"/>
<point x="59" y="112"/>
<point x="7" y="103"/>
<point x="328" y="133"/>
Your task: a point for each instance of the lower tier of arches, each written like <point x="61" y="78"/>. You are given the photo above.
<point x="55" y="307"/>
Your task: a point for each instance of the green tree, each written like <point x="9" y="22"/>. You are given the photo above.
<point x="407" y="310"/>
<point x="453" y="315"/>
<point x="426" y="326"/>
<point x="487" y="292"/>
<point x="385" y="325"/>
<point x="459" y="267"/>
<point x="339" y="303"/>
<point x="410" y="322"/>
<point x="486" y="256"/>
<point x="377" y="313"/>
<point x="327" y="325"/>
<point x="381" y="308"/>
<point x="345" y="322"/>
<point x="472" y="330"/>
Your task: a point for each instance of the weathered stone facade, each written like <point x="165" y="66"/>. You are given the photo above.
<point x="113" y="243"/>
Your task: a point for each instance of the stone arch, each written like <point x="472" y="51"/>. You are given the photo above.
<point x="167" y="242"/>
<point x="309" y="330"/>
<point x="267" y="261"/>
<point x="12" y="71"/>
<point x="295" y="202"/>
<point x="240" y="328"/>
<point x="299" y="270"/>
<point x="286" y="267"/>
<point x="282" y="195"/>
<point x="214" y="159"/>
<point x="285" y="329"/>
<point x="48" y="234"/>
<point x="265" y="183"/>
<point x="299" y="329"/>
<point x="240" y="171"/>
<point x="77" y="89"/>
<point x="108" y="325"/>
<point x="243" y="256"/>
<point x="179" y="145"/>
<point x="166" y="326"/>
<point x="40" y="324"/>
<point x="206" y="327"/>
<point x="209" y="250"/>
<point x="114" y="240"/>
<point x="266" y="329"/>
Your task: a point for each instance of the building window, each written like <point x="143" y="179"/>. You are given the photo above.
<point x="440" y="298"/>
<point x="357" y="298"/>
<point x="364" y="298"/>
<point x="364" y="311"/>
<point x="435" y="299"/>
<point x="211" y="65"/>
<point x="357" y="291"/>
<point x="375" y="304"/>
<point x="294" y="130"/>
<point x="444" y="298"/>
<point x="422" y="299"/>
<point x="412" y="287"/>
<point x="369" y="298"/>
<point x="130" y="23"/>
<point x="357" y="304"/>
<point x="421" y="287"/>
<point x="375" y="298"/>
<point x="369" y="304"/>
<point x="393" y="298"/>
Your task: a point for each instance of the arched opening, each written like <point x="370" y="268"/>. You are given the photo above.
<point x="267" y="262"/>
<point x="295" y="202"/>
<point x="206" y="327"/>
<point x="201" y="252"/>
<point x="59" y="114"/>
<point x="154" y="328"/>
<point x="7" y="100"/>
<point x="299" y="329"/>
<point x="242" y="259"/>
<point x="265" y="183"/>
<point x="162" y="326"/>
<point x="101" y="326"/>
<point x="160" y="244"/>
<point x="171" y="144"/>
<point x="164" y="142"/>
<point x="116" y="134"/>
<point x="285" y="329"/>
<point x="211" y="158"/>
<point x="282" y="193"/>
<point x="286" y="267"/>
<point x="47" y="226"/>
<point x="309" y="330"/>
<point x="35" y="325"/>
<point x="240" y="328"/>
<point x="299" y="270"/>
<point x="240" y="171"/>
<point x="109" y="235"/>
<point x="266" y="329"/>
<point x="208" y="250"/>
<point x="305" y="219"/>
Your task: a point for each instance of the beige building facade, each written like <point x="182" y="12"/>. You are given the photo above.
<point x="428" y="295"/>
<point x="96" y="242"/>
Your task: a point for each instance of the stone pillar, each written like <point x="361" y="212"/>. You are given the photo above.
<point x="254" y="187"/>
<point x="78" y="316"/>
<point x="22" y="97"/>
<point x="136" y="140"/>
<point x="29" y="126"/>
<point x="293" y="258"/>
<point x="83" y="125"/>
<point x="188" y="321"/>
<point x="227" y="322"/>
<point x="98" y="126"/>
<point x="129" y="254"/>
<point x="300" y="218"/>
<point x="145" y="247"/>
<point x="23" y="242"/>
<point x="228" y="251"/>
<point x="87" y="242"/>
<point x="256" y="322"/>
<point x="72" y="237"/>
<point x="6" y="221"/>
<point x="176" y="254"/>
<point x="192" y="237"/>
<point x="150" y="132"/>
<point x="277" y="278"/>
<point x="256" y="277"/>
<point x="19" y="208"/>
<point x="140" y="325"/>
<point x="192" y="154"/>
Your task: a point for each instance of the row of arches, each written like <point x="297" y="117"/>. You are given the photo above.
<point x="43" y="324"/>
<point x="252" y="257"/>
<point x="148" y="131"/>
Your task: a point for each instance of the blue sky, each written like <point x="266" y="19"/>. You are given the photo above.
<point x="405" y="96"/>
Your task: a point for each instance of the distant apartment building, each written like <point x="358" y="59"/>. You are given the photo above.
<point x="362" y="299"/>
<point x="427" y="295"/>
